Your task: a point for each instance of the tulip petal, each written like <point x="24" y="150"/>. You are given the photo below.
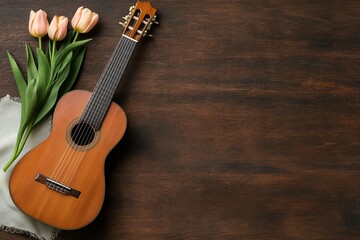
<point x="62" y="29"/>
<point x="31" y="22"/>
<point x="76" y="17"/>
<point x="39" y="23"/>
<point x="53" y="27"/>
<point x="84" y="20"/>
<point x="94" y="20"/>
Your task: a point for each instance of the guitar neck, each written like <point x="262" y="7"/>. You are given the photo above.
<point x="104" y="90"/>
<point x="137" y="23"/>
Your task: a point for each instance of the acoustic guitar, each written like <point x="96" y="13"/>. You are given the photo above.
<point x="61" y="181"/>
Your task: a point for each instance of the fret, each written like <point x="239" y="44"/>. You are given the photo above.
<point x="104" y="91"/>
<point x="137" y="24"/>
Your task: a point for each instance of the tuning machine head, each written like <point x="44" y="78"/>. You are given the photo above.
<point x="139" y="20"/>
<point x="131" y="9"/>
<point x="127" y="17"/>
<point x="152" y="21"/>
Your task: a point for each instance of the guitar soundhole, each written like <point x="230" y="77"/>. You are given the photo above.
<point x="82" y="134"/>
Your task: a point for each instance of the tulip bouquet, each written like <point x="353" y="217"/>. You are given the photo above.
<point x="55" y="70"/>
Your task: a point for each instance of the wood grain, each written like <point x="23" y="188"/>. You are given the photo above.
<point x="243" y="119"/>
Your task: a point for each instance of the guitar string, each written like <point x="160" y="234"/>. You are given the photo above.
<point x="101" y="101"/>
<point x="57" y="172"/>
<point x="84" y="118"/>
<point x="89" y="111"/>
<point x="81" y="135"/>
<point x="115" y="74"/>
<point x="122" y="62"/>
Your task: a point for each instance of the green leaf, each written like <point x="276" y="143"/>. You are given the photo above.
<point x="58" y="69"/>
<point x="65" y="70"/>
<point x="63" y="84"/>
<point x="62" y="53"/>
<point x="19" y="78"/>
<point x="30" y="99"/>
<point x="52" y="97"/>
<point x="74" y="70"/>
<point x="43" y="78"/>
<point x="48" y="51"/>
<point x="66" y="62"/>
<point x="68" y="39"/>
<point x="21" y="85"/>
<point x="31" y="66"/>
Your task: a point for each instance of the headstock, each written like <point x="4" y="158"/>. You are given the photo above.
<point x="139" y="20"/>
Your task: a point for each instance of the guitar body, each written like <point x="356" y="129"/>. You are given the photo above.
<point x="69" y="167"/>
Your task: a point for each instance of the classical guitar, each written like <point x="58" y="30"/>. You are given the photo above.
<point x="61" y="181"/>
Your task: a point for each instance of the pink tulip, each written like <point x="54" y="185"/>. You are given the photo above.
<point x="38" y="23"/>
<point x="58" y="28"/>
<point x="84" y="20"/>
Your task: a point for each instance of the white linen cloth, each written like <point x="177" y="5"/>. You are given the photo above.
<point x="12" y="219"/>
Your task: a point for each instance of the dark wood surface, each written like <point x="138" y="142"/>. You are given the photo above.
<point x="244" y="119"/>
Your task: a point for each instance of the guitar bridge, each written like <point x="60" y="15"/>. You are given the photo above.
<point x="56" y="186"/>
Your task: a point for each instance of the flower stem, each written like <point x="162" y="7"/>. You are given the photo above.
<point x="40" y="43"/>
<point x="53" y="51"/>
<point x="27" y="134"/>
<point x="12" y="159"/>
<point x="16" y="148"/>
<point x="19" y="145"/>
<point x="76" y="36"/>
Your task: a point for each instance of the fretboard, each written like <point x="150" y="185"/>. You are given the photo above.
<point x="104" y="90"/>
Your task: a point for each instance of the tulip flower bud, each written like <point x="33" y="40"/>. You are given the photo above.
<point x="38" y="23"/>
<point x="84" y="20"/>
<point x="58" y="28"/>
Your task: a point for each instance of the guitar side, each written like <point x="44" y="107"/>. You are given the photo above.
<point x="79" y="168"/>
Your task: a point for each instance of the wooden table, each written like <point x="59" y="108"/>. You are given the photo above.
<point x="244" y="119"/>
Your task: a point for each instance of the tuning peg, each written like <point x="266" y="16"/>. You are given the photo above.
<point x="147" y="34"/>
<point x="154" y="20"/>
<point x="131" y="8"/>
<point x="123" y="23"/>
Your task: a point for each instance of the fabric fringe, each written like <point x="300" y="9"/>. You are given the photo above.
<point x="27" y="233"/>
<point x="14" y="99"/>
